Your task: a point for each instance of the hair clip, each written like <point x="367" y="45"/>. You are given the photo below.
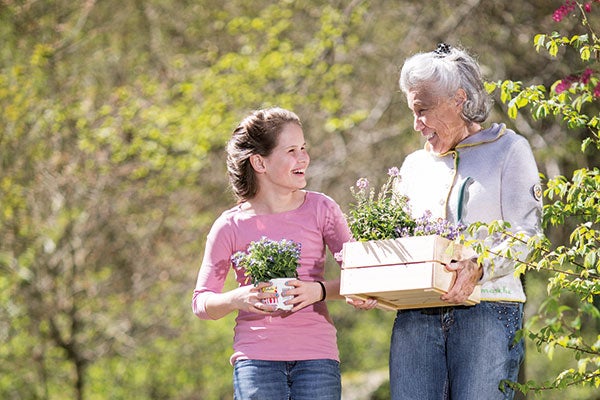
<point x="442" y="49"/>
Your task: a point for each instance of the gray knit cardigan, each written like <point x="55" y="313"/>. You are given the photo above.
<point x="489" y="176"/>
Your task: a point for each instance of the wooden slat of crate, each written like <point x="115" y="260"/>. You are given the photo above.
<point x="401" y="286"/>
<point x="424" y="299"/>
<point x="412" y="249"/>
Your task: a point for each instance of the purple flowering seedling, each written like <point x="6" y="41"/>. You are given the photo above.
<point x="427" y="225"/>
<point x="267" y="259"/>
<point x="375" y="216"/>
<point x="386" y="215"/>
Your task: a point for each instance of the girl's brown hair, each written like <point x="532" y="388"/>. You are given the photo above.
<point x="258" y="134"/>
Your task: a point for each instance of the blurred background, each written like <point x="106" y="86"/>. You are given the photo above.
<point x="113" y="121"/>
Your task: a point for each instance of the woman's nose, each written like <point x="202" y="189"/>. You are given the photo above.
<point x="418" y="124"/>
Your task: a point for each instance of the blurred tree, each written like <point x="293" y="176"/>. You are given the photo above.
<point x="112" y="134"/>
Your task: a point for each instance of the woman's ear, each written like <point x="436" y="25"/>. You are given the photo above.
<point x="460" y="97"/>
<point x="257" y="162"/>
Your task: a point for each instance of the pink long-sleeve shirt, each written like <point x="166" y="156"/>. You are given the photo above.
<point x="283" y="336"/>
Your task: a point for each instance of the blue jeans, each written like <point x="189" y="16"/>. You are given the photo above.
<point x="285" y="380"/>
<point x="456" y="353"/>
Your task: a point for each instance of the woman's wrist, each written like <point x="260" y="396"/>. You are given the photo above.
<point x="478" y="268"/>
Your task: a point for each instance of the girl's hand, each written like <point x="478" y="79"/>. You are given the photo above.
<point x="249" y="298"/>
<point x="305" y="293"/>
<point x="367" y="304"/>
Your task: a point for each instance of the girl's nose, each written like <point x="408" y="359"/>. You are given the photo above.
<point x="304" y="157"/>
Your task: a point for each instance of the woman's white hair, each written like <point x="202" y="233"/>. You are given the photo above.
<point x="445" y="70"/>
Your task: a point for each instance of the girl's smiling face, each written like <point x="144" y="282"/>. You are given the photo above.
<point x="286" y="165"/>
<point x="438" y="118"/>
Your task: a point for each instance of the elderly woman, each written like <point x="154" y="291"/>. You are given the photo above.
<point x="466" y="173"/>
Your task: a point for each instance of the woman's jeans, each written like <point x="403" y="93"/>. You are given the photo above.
<point x="456" y="353"/>
<point x="284" y="380"/>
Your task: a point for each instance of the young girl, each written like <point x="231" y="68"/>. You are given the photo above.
<point x="277" y="354"/>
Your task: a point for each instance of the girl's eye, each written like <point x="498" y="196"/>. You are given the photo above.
<point x="294" y="150"/>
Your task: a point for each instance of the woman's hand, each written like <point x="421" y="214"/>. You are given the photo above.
<point x="367" y="304"/>
<point x="468" y="273"/>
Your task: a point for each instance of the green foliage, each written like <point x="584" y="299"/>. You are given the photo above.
<point x="567" y="104"/>
<point x="567" y="97"/>
<point x="268" y="259"/>
<point x="573" y="284"/>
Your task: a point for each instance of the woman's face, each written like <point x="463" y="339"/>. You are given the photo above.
<point x="438" y="118"/>
<point x="286" y="166"/>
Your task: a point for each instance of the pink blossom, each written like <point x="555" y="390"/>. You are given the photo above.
<point x="585" y="77"/>
<point x="588" y="7"/>
<point x="565" y="83"/>
<point x="564" y="10"/>
<point x="394" y="171"/>
<point x="362" y="183"/>
<point x="597" y="90"/>
<point x="339" y="256"/>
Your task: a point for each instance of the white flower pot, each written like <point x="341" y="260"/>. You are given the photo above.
<point x="278" y="286"/>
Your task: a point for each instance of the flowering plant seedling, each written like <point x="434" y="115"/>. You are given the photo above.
<point x="427" y="225"/>
<point x="267" y="259"/>
<point x="386" y="215"/>
<point x="378" y="216"/>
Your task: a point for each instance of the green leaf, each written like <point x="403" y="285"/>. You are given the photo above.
<point x="512" y="112"/>
<point x="552" y="48"/>
<point x="585" y="53"/>
<point x="538" y="41"/>
<point x="522" y="101"/>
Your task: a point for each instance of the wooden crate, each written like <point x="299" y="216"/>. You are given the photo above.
<point x="402" y="273"/>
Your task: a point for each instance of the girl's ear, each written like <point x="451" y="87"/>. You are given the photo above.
<point x="257" y="162"/>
